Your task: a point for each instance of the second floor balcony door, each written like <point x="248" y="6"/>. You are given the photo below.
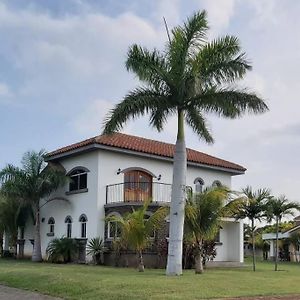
<point x="137" y="186"/>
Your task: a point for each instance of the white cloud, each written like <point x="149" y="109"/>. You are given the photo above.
<point x="5" y="93"/>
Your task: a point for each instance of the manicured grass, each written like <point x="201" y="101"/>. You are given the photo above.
<point x="94" y="282"/>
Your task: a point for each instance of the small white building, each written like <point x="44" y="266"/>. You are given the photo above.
<point x="111" y="174"/>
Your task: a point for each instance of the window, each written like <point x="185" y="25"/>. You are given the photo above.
<point x="199" y="183"/>
<point x="217" y="183"/>
<point x="83" y="220"/>
<point x="137" y="186"/>
<point x="78" y="178"/>
<point x="68" y="221"/>
<point x="113" y="230"/>
<point x="51" y="223"/>
<point x="147" y="216"/>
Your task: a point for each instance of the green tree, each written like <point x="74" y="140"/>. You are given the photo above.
<point x="34" y="181"/>
<point x="277" y="208"/>
<point x="190" y="79"/>
<point x="203" y="213"/>
<point x="137" y="228"/>
<point x="251" y="205"/>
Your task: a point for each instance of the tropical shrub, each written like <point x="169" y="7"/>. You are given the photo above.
<point x="62" y="250"/>
<point x="96" y="248"/>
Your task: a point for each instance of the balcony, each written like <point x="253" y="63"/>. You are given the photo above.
<point x="138" y="192"/>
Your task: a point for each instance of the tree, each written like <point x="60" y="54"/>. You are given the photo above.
<point x="277" y="208"/>
<point x="29" y="184"/>
<point x="251" y="205"/>
<point x="137" y="228"/>
<point x="191" y="78"/>
<point x="203" y="213"/>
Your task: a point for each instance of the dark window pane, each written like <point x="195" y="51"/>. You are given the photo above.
<point x="74" y="183"/>
<point x="83" y="181"/>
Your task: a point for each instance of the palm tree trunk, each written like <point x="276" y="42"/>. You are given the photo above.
<point x="141" y="262"/>
<point x="253" y="245"/>
<point x="174" y="264"/>
<point x="276" y="244"/>
<point x="198" y="260"/>
<point x="1" y="243"/>
<point x="37" y="251"/>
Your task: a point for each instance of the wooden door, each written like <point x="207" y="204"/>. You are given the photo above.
<point x="137" y="186"/>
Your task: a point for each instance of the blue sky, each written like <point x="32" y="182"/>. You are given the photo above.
<point x="62" y="69"/>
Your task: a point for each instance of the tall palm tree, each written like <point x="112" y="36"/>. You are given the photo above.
<point x="277" y="208"/>
<point x="29" y="184"/>
<point x="191" y="78"/>
<point x="203" y="213"/>
<point x="251" y="205"/>
<point x="137" y="228"/>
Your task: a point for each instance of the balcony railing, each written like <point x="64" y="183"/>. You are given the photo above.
<point x="130" y="192"/>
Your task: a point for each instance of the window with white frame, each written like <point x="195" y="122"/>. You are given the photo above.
<point x="113" y="230"/>
<point x="217" y="183"/>
<point x="68" y="222"/>
<point x="83" y="221"/>
<point x="199" y="183"/>
<point x="78" y="179"/>
<point x="51" y="223"/>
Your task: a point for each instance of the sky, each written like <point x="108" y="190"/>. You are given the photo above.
<point x="62" y="68"/>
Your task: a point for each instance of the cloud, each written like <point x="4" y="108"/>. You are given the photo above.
<point x="6" y="94"/>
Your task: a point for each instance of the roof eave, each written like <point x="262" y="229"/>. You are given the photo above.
<point x="95" y="146"/>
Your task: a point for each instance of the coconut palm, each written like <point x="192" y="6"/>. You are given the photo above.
<point x="277" y="208"/>
<point x="29" y="184"/>
<point x="137" y="228"/>
<point x="203" y="214"/>
<point x="191" y="78"/>
<point x="251" y="205"/>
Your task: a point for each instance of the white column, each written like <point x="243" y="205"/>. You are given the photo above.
<point x="241" y="258"/>
<point x="272" y="252"/>
<point x="6" y="242"/>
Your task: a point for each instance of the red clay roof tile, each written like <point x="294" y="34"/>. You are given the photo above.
<point x="139" y="144"/>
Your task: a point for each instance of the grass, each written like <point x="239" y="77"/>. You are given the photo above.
<point x="94" y="282"/>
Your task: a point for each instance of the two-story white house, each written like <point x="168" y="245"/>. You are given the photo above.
<point x="111" y="174"/>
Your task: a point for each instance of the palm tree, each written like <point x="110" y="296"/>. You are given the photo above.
<point x="191" y="78"/>
<point x="29" y="184"/>
<point x="277" y="208"/>
<point x="203" y="213"/>
<point x="251" y="205"/>
<point x="137" y="228"/>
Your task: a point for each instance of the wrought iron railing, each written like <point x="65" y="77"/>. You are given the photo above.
<point x="138" y="192"/>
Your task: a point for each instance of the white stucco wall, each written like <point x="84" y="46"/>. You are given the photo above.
<point x="103" y="166"/>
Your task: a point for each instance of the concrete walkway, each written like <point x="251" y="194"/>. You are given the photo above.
<point x="7" y="293"/>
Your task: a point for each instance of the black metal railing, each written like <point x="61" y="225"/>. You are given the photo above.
<point x="139" y="192"/>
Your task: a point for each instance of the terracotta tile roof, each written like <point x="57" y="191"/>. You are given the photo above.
<point x="143" y="145"/>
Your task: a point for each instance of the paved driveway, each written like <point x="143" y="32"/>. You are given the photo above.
<point x="7" y="293"/>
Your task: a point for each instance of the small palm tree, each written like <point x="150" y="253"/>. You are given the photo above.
<point x="203" y="213"/>
<point x="277" y="208"/>
<point x="29" y="184"/>
<point x="96" y="248"/>
<point x="137" y="228"/>
<point x="251" y="205"/>
<point x="190" y="79"/>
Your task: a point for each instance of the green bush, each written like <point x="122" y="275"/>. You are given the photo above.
<point x="62" y="250"/>
<point x="96" y="248"/>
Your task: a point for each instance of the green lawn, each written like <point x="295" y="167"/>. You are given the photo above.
<point x="94" y="282"/>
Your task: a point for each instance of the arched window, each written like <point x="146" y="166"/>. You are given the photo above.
<point x="51" y="223"/>
<point x="113" y="228"/>
<point x="137" y="186"/>
<point x="78" y="179"/>
<point x="68" y="221"/>
<point x="83" y="220"/>
<point x="217" y="183"/>
<point x="199" y="183"/>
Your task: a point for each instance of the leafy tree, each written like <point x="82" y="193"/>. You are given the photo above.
<point x="294" y="239"/>
<point x="190" y="79"/>
<point x="203" y="214"/>
<point x="137" y="228"/>
<point x="277" y="208"/>
<point x="29" y="184"/>
<point x="251" y="205"/>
